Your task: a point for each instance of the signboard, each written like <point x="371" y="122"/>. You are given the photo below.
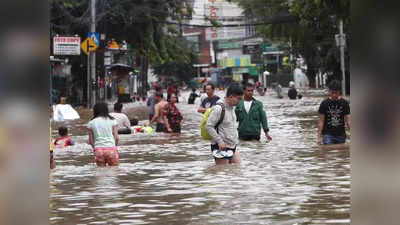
<point x="95" y="37"/>
<point x="66" y="45"/>
<point x="88" y="46"/>
<point x="240" y="70"/>
<point x="228" y="45"/>
<point x="224" y="33"/>
<point x="250" y="49"/>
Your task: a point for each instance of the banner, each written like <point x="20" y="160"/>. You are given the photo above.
<point x="66" y="45"/>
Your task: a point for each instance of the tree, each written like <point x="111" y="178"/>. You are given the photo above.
<point x="145" y="24"/>
<point x="311" y="34"/>
<point x="181" y="65"/>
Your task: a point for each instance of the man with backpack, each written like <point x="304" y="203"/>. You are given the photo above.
<point x="221" y="127"/>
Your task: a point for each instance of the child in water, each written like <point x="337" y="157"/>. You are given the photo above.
<point x="103" y="136"/>
<point x="63" y="140"/>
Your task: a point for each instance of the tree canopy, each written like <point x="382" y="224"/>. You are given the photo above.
<point x="145" y="24"/>
<point x="311" y="34"/>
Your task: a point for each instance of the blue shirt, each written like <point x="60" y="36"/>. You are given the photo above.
<point x="209" y="102"/>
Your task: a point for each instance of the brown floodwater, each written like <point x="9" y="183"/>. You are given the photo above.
<point x="171" y="179"/>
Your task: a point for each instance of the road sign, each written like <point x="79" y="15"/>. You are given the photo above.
<point x="95" y="36"/>
<point x="66" y="45"/>
<point x="88" y="45"/>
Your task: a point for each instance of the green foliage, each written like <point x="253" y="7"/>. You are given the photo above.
<point x="312" y="37"/>
<point x="142" y="23"/>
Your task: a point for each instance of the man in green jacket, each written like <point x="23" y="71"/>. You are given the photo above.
<point x="250" y="114"/>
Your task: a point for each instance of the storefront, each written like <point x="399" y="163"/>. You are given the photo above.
<point x="121" y="82"/>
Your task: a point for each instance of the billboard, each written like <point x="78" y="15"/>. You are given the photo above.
<point x="66" y="45"/>
<point x="225" y="33"/>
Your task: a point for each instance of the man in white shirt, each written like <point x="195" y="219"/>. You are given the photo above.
<point x="124" y="125"/>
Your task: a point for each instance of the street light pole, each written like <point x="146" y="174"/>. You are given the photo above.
<point x="93" y="53"/>
<point x="341" y="45"/>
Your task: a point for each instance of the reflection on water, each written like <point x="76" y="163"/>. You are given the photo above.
<point x="171" y="179"/>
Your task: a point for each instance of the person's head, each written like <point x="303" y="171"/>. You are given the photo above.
<point x="210" y="90"/>
<point x="118" y="107"/>
<point x="234" y="94"/>
<point x="62" y="131"/>
<point x="193" y="89"/>
<point x="101" y="110"/>
<point x="248" y="92"/>
<point x="173" y="98"/>
<point x="158" y="96"/>
<point x="334" y="89"/>
<point x="63" y="100"/>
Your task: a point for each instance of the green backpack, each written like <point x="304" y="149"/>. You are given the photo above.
<point x="203" y="123"/>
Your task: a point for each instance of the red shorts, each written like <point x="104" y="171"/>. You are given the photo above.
<point x="106" y="155"/>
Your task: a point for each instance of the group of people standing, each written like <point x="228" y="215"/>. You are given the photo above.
<point x="225" y="132"/>
<point x="334" y="117"/>
<point x="226" y="124"/>
<point x="165" y="114"/>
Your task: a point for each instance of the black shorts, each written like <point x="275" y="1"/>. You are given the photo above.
<point x="124" y="131"/>
<point x="249" y="137"/>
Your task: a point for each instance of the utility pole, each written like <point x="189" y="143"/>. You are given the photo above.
<point x="342" y="42"/>
<point x="92" y="58"/>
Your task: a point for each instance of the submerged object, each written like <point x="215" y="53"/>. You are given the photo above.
<point x="64" y="112"/>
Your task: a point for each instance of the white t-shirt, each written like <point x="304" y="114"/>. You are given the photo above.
<point x="102" y="130"/>
<point x="122" y="120"/>
<point x="247" y="105"/>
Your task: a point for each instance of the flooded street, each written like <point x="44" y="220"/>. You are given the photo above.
<point x="170" y="179"/>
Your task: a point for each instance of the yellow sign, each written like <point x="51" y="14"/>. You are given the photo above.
<point x="88" y="45"/>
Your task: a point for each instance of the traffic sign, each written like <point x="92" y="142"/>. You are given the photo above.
<point x="95" y="36"/>
<point x="66" y="45"/>
<point x="88" y="45"/>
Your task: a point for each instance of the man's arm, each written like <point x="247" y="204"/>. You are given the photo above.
<point x="264" y="123"/>
<point x="156" y="113"/>
<point x="320" y="127"/>
<point x="210" y="126"/>
<point x="347" y="119"/>
<point x="201" y="109"/>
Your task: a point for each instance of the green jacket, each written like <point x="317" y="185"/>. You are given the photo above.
<point x="249" y="123"/>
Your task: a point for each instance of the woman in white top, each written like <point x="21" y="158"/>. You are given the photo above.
<point x="103" y="136"/>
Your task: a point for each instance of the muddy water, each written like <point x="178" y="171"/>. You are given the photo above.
<point x="170" y="179"/>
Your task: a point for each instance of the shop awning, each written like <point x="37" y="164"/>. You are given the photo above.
<point x="119" y="66"/>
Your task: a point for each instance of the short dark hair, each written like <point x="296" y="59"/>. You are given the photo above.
<point x="118" y="106"/>
<point x="62" y="131"/>
<point x="248" y="85"/>
<point x="235" y="90"/>
<point x="159" y="94"/>
<point x="212" y="85"/>
<point x="335" y="85"/>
